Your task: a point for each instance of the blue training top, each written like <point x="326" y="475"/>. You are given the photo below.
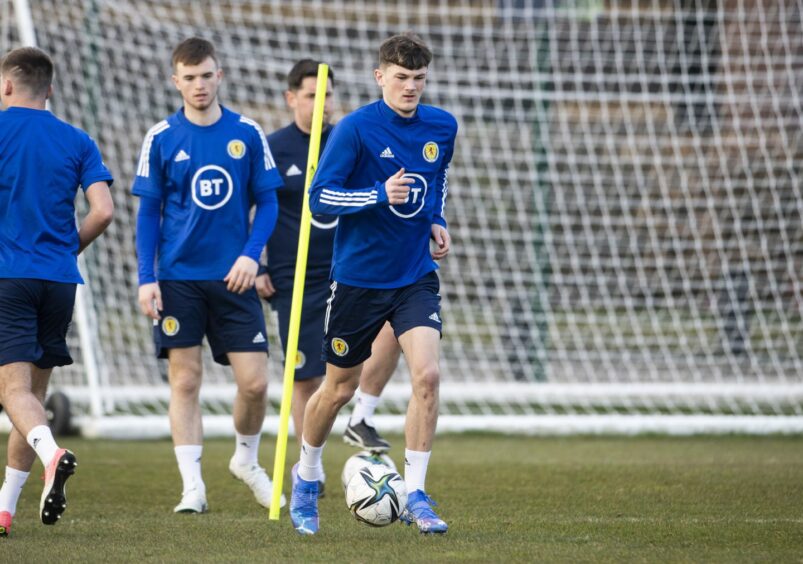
<point x="43" y="161"/>
<point x="378" y="245"/>
<point x="207" y="178"/>
<point x="290" y="148"/>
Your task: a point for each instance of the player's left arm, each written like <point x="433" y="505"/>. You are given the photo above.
<point x="101" y="212"/>
<point x="439" y="231"/>
<point x="243" y="273"/>
<point x="265" y="179"/>
<point x="96" y="179"/>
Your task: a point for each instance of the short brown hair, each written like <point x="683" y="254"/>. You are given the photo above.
<point x="30" y="69"/>
<point x="406" y="50"/>
<point x="301" y="70"/>
<point x="194" y="51"/>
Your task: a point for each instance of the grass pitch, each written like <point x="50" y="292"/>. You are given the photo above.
<point x="506" y="499"/>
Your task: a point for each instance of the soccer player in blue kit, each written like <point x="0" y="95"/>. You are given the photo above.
<point x="384" y="173"/>
<point x="43" y="161"/>
<point x="290" y="147"/>
<point x="199" y="172"/>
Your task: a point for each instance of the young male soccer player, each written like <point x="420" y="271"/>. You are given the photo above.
<point x="199" y="172"/>
<point x="43" y="161"/>
<point x="384" y="173"/>
<point x="290" y="151"/>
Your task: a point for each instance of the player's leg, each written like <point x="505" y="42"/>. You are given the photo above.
<point x="178" y="338"/>
<point x="302" y="392"/>
<point x="34" y="318"/>
<point x="348" y="333"/>
<point x="250" y="372"/>
<point x="376" y="372"/>
<point x="20" y="459"/>
<point x="237" y="336"/>
<point x="185" y="372"/>
<point x="417" y="322"/>
<point x="322" y="408"/>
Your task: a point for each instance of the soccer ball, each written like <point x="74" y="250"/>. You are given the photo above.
<point x="376" y="495"/>
<point x="361" y="460"/>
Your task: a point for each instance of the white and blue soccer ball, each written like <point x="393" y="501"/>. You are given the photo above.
<point x="376" y="495"/>
<point x="360" y="461"/>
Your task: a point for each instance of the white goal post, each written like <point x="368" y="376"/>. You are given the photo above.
<point x="625" y="200"/>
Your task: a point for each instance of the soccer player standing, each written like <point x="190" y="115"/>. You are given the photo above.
<point x="199" y="172"/>
<point x="384" y="174"/>
<point x="43" y="161"/>
<point x="290" y="151"/>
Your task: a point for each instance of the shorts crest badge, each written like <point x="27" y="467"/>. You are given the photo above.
<point x="431" y="152"/>
<point x="170" y="326"/>
<point x="340" y="347"/>
<point x="301" y="360"/>
<point x="236" y="149"/>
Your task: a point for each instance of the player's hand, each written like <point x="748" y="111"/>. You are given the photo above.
<point x="397" y="188"/>
<point x="150" y="300"/>
<point x="242" y="275"/>
<point x="443" y="241"/>
<point x="264" y="286"/>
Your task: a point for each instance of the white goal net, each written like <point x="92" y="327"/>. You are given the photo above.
<point x="625" y="198"/>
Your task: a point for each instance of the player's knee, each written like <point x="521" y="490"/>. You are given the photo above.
<point x="427" y="380"/>
<point x="254" y="389"/>
<point x="341" y="393"/>
<point x="185" y="384"/>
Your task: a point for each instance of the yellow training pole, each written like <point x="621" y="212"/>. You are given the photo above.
<point x="298" y="293"/>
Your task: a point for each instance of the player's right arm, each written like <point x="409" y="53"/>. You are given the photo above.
<point x="328" y="194"/>
<point x="148" y="217"/>
<point x="148" y="186"/>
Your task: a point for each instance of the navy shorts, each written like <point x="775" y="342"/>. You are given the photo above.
<point x="34" y="318"/>
<point x="356" y="315"/>
<point x="313" y="311"/>
<point x="194" y="308"/>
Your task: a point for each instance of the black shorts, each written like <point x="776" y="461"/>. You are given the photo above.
<point x="34" y="318"/>
<point x="313" y="311"/>
<point x="355" y="316"/>
<point x="194" y="308"/>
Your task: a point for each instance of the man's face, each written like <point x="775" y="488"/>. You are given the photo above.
<point x="302" y="102"/>
<point x="401" y="87"/>
<point x="198" y="84"/>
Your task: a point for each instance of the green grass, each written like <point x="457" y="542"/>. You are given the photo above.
<point x="506" y="499"/>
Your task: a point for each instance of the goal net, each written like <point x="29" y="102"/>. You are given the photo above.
<point x="625" y="199"/>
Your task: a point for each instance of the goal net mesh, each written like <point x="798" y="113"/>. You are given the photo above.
<point x="624" y="201"/>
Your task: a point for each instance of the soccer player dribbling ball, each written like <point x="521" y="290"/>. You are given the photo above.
<point x="384" y="173"/>
<point x="199" y="172"/>
<point x="290" y="150"/>
<point x="43" y="161"/>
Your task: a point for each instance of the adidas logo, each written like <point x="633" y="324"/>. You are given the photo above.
<point x="434" y="317"/>
<point x="293" y="171"/>
<point x="387" y="154"/>
<point x="182" y="156"/>
<point x="36" y="442"/>
<point x="260" y="338"/>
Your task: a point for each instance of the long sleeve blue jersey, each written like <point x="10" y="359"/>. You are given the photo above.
<point x="378" y="245"/>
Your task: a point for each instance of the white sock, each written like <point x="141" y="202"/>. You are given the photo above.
<point x="11" y="490"/>
<point x="415" y="469"/>
<point x="364" y="408"/>
<point x="189" y="466"/>
<point x="247" y="449"/>
<point x="310" y="466"/>
<point x="41" y="440"/>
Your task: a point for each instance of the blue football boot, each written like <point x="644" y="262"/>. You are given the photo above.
<point x="419" y="511"/>
<point x="304" y="506"/>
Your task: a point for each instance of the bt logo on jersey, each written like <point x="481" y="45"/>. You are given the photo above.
<point x="415" y="198"/>
<point x="212" y="187"/>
